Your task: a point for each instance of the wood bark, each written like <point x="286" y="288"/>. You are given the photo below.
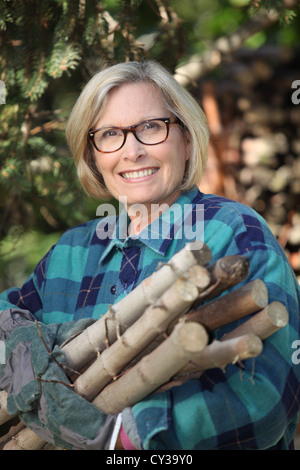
<point x="227" y="272"/>
<point x="264" y="323"/>
<point x="217" y="355"/>
<point x="4" y="416"/>
<point x="221" y="353"/>
<point x="237" y="304"/>
<point x="154" y="321"/>
<point x="124" y="313"/>
<point x="186" y="340"/>
<point x="25" y="440"/>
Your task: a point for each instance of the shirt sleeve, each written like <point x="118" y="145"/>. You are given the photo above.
<point x="253" y="405"/>
<point x="29" y="296"/>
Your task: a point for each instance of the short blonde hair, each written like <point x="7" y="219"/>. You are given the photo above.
<point x="91" y="104"/>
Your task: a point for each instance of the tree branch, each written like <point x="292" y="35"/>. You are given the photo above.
<point x="199" y="64"/>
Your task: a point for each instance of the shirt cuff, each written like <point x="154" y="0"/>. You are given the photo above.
<point x="130" y="428"/>
<point x="126" y="442"/>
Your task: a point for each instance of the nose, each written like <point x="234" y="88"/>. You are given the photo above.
<point x="132" y="148"/>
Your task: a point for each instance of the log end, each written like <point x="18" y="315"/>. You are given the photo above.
<point x="199" y="275"/>
<point x="259" y="293"/>
<point x="192" y="336"/>
<point x="253" y="346"/>
<point x="278" y="314"/>
<point x="232" y="267"/>
<point x="200" y="251"/>
<point x="186" y="290"/>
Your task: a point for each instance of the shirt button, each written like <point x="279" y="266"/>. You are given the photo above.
<point x="113" y="289"/>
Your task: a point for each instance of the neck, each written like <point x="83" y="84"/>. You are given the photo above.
<point x="142" y="215"/>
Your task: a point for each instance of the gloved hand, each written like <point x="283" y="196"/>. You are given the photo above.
<point x="39" y="389"/>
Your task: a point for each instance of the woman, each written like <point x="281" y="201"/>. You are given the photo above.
<point x="138" y="136"/>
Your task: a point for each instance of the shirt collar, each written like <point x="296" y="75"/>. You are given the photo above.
<point x="158" y="235"/>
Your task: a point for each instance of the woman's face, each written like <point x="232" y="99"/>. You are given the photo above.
<point x="121" y="170"/>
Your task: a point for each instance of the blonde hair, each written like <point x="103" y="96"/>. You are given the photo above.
<point x="91" y="104"/>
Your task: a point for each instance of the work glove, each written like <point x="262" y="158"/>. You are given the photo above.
<point x="38" y="387"/>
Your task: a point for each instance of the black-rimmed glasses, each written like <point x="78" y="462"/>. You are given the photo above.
<point x="150" y="132"/>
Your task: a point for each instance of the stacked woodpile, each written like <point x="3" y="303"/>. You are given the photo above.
<point x="158" y="336"/>
<point x="255" y="126"/>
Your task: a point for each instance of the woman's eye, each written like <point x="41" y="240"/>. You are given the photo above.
<point x="111" y="133"/>
<point x="150" y="126"/>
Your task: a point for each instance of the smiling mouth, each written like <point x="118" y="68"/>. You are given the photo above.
<point x="139" y="174"/>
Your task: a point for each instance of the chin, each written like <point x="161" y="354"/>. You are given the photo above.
<point x="140" y="199"/>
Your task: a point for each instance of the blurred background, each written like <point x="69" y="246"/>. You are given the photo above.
<point x="239" y="58"/>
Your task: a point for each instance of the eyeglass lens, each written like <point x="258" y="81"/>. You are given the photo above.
<point x="148" y="132"/>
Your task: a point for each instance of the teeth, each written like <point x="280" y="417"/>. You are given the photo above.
<point x="139" y="174"/>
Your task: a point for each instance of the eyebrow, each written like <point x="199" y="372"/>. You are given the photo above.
<point x="120" y="127"/>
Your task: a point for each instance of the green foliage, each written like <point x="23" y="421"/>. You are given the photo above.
<point x="48" y="51"/>
<point x="287" y="9"/>
<point x="20" y="253"/>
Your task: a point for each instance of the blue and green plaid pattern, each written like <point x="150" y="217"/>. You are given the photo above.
<point x="248" y="406"/>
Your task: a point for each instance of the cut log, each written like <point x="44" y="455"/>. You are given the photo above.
<point x="93" y="339"/>
<point x="221" y="353"/>
<point x="199" y="276"/>
<point x="4" y="416"/>
<point x="25" y="440"/>
<point x="155" y="369"/>
<point x="264" y="323"/>
<point x="217" y="355"/>
<point x="237" y="304"/>
<point x="226" y="272"/>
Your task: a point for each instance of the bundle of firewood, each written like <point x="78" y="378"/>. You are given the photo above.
<point x="158" y="336"/>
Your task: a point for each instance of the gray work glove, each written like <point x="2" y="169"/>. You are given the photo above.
<point x="39" y="389"/>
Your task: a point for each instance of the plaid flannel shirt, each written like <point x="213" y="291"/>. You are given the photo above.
<point x="249" y="406"/>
